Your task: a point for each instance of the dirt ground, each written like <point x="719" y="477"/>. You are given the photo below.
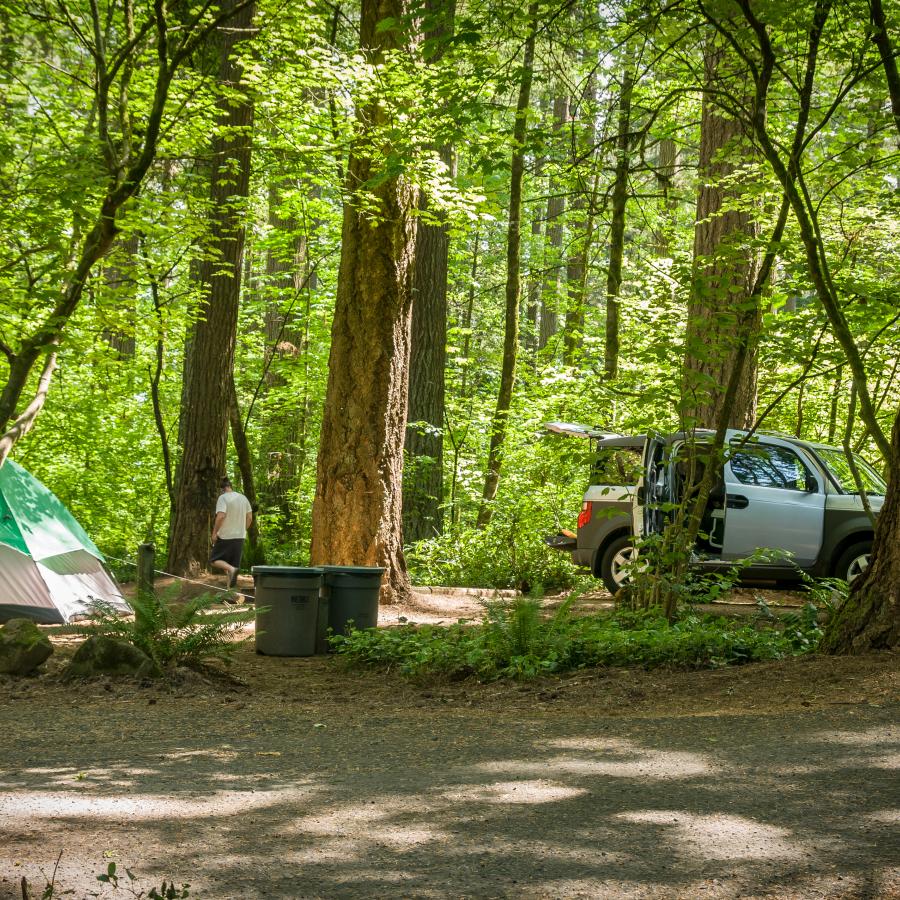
<point x="298" y="778"/>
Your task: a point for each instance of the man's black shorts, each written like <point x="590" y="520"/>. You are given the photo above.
<point x="228" y="549"/>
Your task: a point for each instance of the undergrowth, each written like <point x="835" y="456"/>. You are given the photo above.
<point x="517" y="641"/>
<point x="173" y="633"/>
<point x="505" y="554"/>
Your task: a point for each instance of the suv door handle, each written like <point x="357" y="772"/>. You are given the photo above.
<point x="737" y="501"/>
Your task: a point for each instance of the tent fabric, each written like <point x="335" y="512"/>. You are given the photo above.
<point x="50" y="570"/>
<point x="75" y="580"/>
<point x="22" y="590"/>
<point x="34" y="519"/>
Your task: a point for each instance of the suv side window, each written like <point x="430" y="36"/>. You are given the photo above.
<point x="770" y="466"/>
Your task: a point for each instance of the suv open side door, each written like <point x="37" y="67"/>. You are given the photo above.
<point x="651" y="489"/>
<point x="775" y="497"/>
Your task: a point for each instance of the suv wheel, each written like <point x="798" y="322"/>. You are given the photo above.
<point x="853" y="561"/>
<point x="618" y="554"/>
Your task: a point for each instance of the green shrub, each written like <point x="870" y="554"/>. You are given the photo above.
<point x="506" y="554"/>
<point x="517" y="641"/>
<point x="173" y="633"/>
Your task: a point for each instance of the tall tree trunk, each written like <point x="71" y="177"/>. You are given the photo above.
<point x="553" y="254"/>
<point x="120" y="281"/>
<point x="581" y="222"/>
<point x="423" y="479"/>
<point x="870" y="617"/>
<point x="882" y="38"/>
<point x="582" y="228"/>
<point x="357" y="512"/>
<point x="245" y="467"/>
<point x="617" y="225"/>
<point x="212" y="347"/>
<point x="665" y="179"/>
<point x="533" y="283"/>
<point x="513" y="243"/>
<point x="725" y="266"/>
<point x="288" y="276"/>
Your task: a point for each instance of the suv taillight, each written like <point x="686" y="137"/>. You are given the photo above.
<point x="585" y="515"/>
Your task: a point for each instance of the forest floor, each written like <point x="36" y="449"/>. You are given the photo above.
<point x="297" y="778"/>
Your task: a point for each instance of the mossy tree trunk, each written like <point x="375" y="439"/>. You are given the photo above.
<point x="870" y="617"/>
<point x="551" y="295"/>
<point x="423" y="481"/>
<point x="513" y="286"/>
<point x="617" y="225"/>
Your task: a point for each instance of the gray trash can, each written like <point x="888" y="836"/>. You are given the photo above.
<point x="352" y="595"/>
<point x="288" y="617"/>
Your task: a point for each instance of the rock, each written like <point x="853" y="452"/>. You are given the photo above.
<point x="23" y="647"/>
<point x="102" y="654"/>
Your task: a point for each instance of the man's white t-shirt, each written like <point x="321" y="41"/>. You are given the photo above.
<point x="235" y="506"/>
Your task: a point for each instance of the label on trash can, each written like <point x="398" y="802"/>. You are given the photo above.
<point x="299" y="599"/>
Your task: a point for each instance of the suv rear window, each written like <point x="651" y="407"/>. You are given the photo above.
<point x="616" y="467"/>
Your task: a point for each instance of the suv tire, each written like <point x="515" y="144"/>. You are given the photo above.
<point x="853" y="561"/>
<point x="617" y="554"/>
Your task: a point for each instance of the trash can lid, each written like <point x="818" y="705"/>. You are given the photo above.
<point x="286" y="571"/>
<point x="353" y="570"/>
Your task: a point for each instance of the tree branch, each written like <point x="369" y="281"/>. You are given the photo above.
<point x="25" y="421"/>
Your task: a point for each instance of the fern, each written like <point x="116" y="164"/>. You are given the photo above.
<point x="173" y="633"/>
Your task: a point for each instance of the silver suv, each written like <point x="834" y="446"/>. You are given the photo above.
<point x="780" y="493"/>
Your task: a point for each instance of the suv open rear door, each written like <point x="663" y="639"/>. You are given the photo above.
<point x="652" y="488"/>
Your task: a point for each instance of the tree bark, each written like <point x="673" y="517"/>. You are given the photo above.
<point x="288" y="275"/>
<point x="581" y="219"/>
<point x="357" y="512"/>
<point x="869" y="619"/>
<point x="25" y="421"/>
<point x="212" y="347"/>
<point x="882" y="39"/>
<point x="533" y="283"/>
<point x="513" y="244"/>
<point x="617" y="225"/>
<point x="245" y="467"/>
<point x="725" y="267"/>
<point x="119" y="281"/>
<point x="423" y="479"/>
<point x="553" y="255"/>
<point x="665" y="178"/>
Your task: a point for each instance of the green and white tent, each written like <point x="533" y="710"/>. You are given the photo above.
<point x="50" y="570"/>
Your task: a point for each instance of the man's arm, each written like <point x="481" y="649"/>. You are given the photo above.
<point x="249" y="518"/>
<point x="217" y="524"/>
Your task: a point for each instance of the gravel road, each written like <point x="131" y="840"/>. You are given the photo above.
<point x="329" y="787"/>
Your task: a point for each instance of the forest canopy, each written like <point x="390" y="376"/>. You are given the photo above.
<point x="589" y="212"/>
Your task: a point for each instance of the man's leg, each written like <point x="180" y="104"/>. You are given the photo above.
<point x="229" y="570"/>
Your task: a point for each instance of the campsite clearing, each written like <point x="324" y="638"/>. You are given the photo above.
<point x="296" y="778"/>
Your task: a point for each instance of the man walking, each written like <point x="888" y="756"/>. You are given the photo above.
<point x="233" y="518"/>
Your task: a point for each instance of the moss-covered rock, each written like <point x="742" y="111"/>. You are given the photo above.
<point x="102" y="654"/>
<point x="23" y="647"/>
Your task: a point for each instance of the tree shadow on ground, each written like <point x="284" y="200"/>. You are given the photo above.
<point x="458" y="803"/>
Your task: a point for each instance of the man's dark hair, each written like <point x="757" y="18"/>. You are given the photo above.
<point x="225" y="482"/>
